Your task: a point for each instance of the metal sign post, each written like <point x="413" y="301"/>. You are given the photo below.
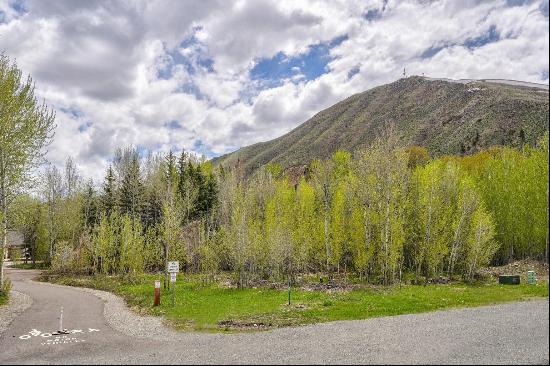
<point x="173" y="280"/>
<point x="157" y="293"/>
<point x="173" y="268"/>
<point x="289" y="288"/>
<point x="61" y="320"/>
<point x="61" y="329"/>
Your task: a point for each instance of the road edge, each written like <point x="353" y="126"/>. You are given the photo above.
<point x="120" y="317"/>
<point x="18" y="302"/>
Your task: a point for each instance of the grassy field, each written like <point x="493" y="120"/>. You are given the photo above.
<point x="217" y="308"/>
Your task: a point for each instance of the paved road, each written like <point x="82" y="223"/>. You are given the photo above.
<point x="505" y="334"/>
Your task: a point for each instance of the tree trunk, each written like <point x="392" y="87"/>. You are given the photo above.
<point x="454" y="247"/>
<point x="165" y="266"/>
<point x="327" y="242"/>
<point x="546" y="247"/>
<point x="429" y="231"/>
<point x="366" y="225"/>
<point x="33" y="251"/>
<point x="387" y="234"/>
<point x="3" y="203"/>
<point x="51" y="229"/>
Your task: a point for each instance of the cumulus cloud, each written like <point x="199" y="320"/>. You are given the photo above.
<point x="212" y="76"/>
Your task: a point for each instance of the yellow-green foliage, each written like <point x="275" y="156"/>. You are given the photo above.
<point x="436" y="206"/>
<point x="481" y="246"/>
<point x="131" y="246"/>
<point x="514" y="186"/>
<point x="377" y="214"/>
<point x="308" y="225"/>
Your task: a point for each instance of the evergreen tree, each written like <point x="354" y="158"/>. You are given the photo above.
<point x="90" y="209"/>
<point x="131" y="190"/>
<point x="109" y="197"/>
<point x="170" y="172"/>
<point x="154" y="191"/>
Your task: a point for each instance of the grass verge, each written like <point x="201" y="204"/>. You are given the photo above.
<point x="29" y="265"/>
<point x="212" y="307"/>
<point x="5" y="291"/>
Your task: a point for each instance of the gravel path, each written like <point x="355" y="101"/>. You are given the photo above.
<point x="122" y="319"/>
<point x="18" y="303"/>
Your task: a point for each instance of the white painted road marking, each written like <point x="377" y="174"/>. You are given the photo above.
<point x="57" y="339"/>
<point x="61" y="340"/>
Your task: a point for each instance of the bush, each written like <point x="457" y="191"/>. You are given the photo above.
<point x="6" y="287"/>
<point x="64" y="257"/>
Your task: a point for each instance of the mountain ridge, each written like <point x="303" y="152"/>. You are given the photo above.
<point x="446" y="117"/>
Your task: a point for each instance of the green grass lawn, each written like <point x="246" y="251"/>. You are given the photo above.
<point x="214" y="308"/>
<point x="28" y="265"/>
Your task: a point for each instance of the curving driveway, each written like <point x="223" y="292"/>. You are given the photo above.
<point x="515" y="333"/>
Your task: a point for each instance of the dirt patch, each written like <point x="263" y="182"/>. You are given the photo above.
<point x="518" y="268"/>
<point x="331" y="287"/>
<point x="235" y="324"/>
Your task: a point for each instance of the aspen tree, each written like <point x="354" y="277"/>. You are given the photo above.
<point x="26" y="128"/>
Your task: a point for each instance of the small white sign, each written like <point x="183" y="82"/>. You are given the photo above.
<point x="173" y="267"/>
<point x="173" y="276"/>
<point x="157" y="284"/>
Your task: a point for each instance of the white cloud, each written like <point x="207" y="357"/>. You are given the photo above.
<point x="97" y="63"/>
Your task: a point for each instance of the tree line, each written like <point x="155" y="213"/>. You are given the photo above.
<point x="381" y="214"/>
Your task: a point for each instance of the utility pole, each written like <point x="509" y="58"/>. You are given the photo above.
<point x="404" y="73"/>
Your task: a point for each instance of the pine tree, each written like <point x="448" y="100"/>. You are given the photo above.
<point x="90" y="210"/>
<point x="170" y="172"/>
<point x="131" y="190"/>
<point x="109" y="199"/>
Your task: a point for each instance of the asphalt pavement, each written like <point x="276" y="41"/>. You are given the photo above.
<point x="514" y="333"/>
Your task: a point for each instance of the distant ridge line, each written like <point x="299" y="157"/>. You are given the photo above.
<point x="448" y="117"/>
<point x="498" y="81"/>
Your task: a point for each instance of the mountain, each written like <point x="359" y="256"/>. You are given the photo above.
<point x="445" y="116"/>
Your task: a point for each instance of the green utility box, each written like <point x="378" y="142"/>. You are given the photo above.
<point x="508" y="279"/>
<point x="531" y="277"/>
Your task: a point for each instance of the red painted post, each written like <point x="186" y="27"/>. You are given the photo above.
<point x="157" y="293"/>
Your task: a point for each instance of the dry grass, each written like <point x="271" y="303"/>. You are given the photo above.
<point x="519" y="268"/>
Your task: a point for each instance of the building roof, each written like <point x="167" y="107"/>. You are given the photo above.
<point x="15" y="239"/>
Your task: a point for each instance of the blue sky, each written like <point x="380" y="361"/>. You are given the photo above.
<point x="309" y="65"/>
<point x="212" y="76"/>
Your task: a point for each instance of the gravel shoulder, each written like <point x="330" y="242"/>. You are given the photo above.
<point x="122" y="319"/>
<point x="17" y="304"/>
